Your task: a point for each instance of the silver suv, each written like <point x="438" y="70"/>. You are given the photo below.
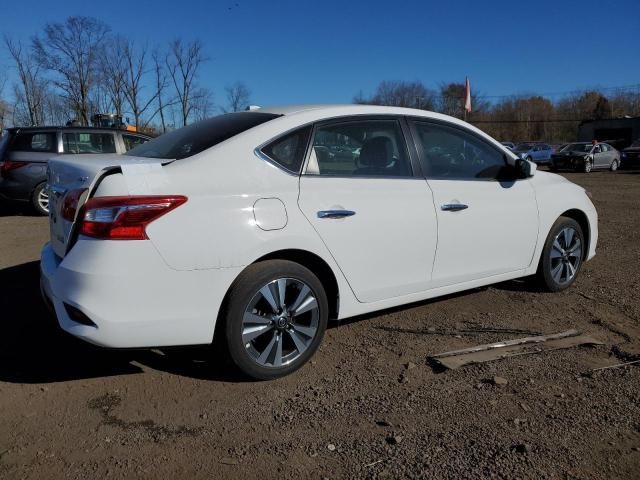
<point x="24" y="153"/>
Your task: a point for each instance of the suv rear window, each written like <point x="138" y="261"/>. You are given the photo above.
<point x="193" y="139"/>
<point x="34" y="142"/>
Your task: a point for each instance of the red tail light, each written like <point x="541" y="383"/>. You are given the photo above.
<point x="125" y="218"/>
<point x="9" y="165"/>
<point x="70" y="204"/>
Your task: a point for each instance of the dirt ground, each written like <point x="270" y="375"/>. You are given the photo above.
<point x="367" y="406"/>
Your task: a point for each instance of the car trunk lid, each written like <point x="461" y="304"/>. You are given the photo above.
<point x="67" y="176"/>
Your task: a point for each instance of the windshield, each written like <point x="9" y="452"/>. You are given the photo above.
<point x="578" y="147"/>
<point x="188" y="141"/>
<point x="523" y="147"/>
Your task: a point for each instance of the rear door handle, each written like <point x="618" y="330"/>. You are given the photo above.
<point x="335" y="213"/>
<point x="453" y="207"/>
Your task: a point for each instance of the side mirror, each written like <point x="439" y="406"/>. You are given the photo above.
<point x="524" y="168"/>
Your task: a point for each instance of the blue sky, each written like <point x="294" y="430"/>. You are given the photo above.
<point x="326" y="51"/>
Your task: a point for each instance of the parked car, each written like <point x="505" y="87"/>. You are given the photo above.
<point x="539" y="153"/>
<point x="630" y="156"/>
<point x="509" y="145"/>
<point x="235" y="229"/>
<point x="24" y="153"/>
<point x="586" y="156"/>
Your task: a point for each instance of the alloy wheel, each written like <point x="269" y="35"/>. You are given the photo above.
<point x="566" y="255"/>
<point x="43" y="200"/>
<point x="280" y="322"/>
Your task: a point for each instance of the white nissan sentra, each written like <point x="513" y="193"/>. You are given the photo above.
<point x="257" y="227"/>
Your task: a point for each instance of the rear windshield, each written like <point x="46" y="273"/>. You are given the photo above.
<point x="188" y="141"/>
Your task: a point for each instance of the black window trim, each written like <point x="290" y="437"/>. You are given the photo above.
<point x="412" y="121"/>
<point x="416" y="171"/>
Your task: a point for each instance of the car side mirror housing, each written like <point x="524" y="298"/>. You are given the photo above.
<point x="524" y="168"/>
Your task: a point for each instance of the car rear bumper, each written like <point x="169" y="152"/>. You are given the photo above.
<point x="128" y="297"/>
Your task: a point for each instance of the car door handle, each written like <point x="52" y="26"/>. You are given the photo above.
<point x="453" y="207"/>
<point x="335" y="213"/>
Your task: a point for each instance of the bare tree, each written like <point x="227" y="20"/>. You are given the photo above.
<point x="112" y="70"/>
<point x="31" y="88"/>
<point x="135" y="69"/>
<point x="161" y="85"/>
<point x="400" y="94"/>
<point x="72" y="50"/>
<point x="183" y="63"/>
<point x="238" y="97"/>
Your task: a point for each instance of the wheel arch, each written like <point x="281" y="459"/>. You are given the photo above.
<point x="581" y="217"/>
<point x="302" y="257"/>
<point x="318" y="266"/>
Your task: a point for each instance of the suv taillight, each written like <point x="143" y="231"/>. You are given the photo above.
<point x="125" y="218"/>
<point x="9" y="165"/>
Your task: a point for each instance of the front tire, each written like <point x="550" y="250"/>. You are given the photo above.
<point x="562" y="255"/>
<point x="587" y="167"/>
<point x="277" y="313"/>
<point x="40" y="199"/>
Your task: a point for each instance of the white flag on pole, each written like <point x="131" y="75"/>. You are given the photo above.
<point x="467" y="98"/>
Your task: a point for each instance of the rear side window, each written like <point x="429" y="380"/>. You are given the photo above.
<point x="288" y="151"/>
<point x="90" y="142"/>
<point x="132" y="141"/>
<point x="34" y="142"/>
<point x="193" y="139"/>
<point x="366" y="148"/>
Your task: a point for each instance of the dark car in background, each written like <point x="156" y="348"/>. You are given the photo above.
<point x="630" y="156"/>
<point x="24" y="153"/>
<point x="586" y="156"/>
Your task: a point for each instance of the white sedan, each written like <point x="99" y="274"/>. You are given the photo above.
<point x="258" y="227"/>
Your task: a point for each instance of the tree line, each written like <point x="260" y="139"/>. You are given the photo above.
<point x="516" y="118"/>
<point x="74" y="69"/>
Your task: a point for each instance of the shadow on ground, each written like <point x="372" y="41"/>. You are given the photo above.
<point x="10" y="209"/>
<point x="33" y="349"/>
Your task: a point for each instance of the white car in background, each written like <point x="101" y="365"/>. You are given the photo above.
<point x="241" y="226"/>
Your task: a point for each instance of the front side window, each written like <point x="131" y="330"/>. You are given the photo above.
<point x="34" y="142"/>
<point x="288" y="151"/>
<point x="368" y="148"/>
<point x="451" y="153"/>
<point x="132" y="141"/>
<point x="88" y="142"/>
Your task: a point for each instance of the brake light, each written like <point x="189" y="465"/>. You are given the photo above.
<point x="9" y="165"/>
<point x="70" y="204"/>
<point x="125" y="218"/>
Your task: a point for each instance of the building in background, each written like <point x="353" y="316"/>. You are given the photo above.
<point x="619" y="132"/>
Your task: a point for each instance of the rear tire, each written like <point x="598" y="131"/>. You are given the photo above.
<point x="562" y="255"/>
<point x="614" y="165"/>
<point x="270" y="334"/>
<point x="40" y="199"/>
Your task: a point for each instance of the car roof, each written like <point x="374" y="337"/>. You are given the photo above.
<point x="74" y="129"/>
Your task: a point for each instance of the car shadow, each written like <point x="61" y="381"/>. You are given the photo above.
<point x="10" y="209"/>
<point x="35" y="350"/>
